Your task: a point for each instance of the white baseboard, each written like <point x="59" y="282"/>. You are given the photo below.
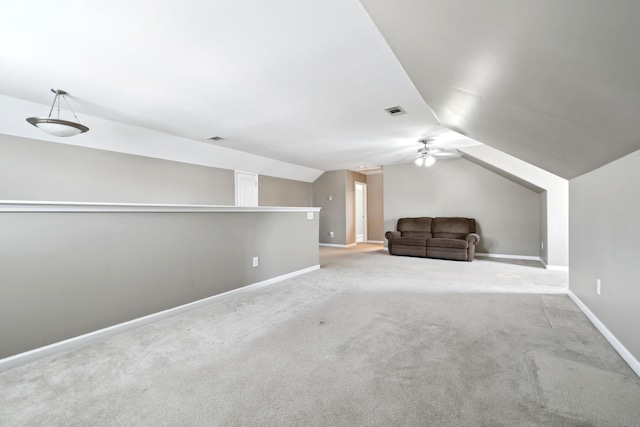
<point x="82" y="340"/>
<point x="555" y="267"/>
<point x="526" y="257"/>
<point x="617" y="345"/>
<point x="380" y="242"/>
<point x="331" y="245"/>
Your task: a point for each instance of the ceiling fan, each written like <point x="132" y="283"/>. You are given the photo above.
<point x="428" y="154"/>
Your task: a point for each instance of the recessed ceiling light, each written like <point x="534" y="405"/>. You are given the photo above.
<point x="395" y="110"/>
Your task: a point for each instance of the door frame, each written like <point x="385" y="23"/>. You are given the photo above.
<point x="364" y="210"/>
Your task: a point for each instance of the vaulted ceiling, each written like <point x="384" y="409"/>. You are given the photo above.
<point x="554" y="83"/>
<point x="307" y="82"/>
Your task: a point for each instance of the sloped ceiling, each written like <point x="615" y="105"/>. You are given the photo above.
<point x="554" y="83"/>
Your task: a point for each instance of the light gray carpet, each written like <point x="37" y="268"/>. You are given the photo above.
<point x="369" y="339"/>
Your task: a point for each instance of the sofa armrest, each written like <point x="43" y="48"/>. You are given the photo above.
<point x="473" y="239"/>
<point x="392" y="234"/>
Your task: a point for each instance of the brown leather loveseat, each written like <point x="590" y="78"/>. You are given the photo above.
<point x="443" y="237"/>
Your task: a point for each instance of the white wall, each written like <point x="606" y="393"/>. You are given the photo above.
<point x="604" y="217"/>
<point x="507" y="214"/>
<point x="115" y="136"/>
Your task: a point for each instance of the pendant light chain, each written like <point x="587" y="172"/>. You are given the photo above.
<point x="70" y="108"/>
<point x="55" y="98"/>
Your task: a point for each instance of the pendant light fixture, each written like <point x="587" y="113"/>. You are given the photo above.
<point x="56" y="126"/>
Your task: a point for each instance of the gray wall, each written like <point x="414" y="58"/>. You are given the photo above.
<point x="350" y="203"/>
<point x="604" y="208"/>
<point x="66" y="274"/>
<point x="45" y="171"/>
<point x="507" y="214"/>
<point x="284" y="192"/>
<point x="338" y="215"/>
<point x="375" y="207"/>
<point x="333" y="213"/>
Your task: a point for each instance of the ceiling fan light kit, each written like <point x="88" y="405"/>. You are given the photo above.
<point x="427" y="155"/>
<point x="425" y="161"/>
<point x="56" y="126"/>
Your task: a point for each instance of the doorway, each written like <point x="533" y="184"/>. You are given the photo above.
<point x="361" y="212"/>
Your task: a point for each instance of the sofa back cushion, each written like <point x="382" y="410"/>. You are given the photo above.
<point x="415" y="227"/>
<point x="453" y="228"/>
<point x="421" y="234"/>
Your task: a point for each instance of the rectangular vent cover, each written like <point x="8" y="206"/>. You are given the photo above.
<point x="395" y="111"/>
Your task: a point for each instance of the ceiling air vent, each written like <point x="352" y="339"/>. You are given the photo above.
<point x="395" y="111"/>
<point x="215" y="138"/>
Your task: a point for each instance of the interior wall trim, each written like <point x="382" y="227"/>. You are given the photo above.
<point x="331" y="245"/>
<point x="525" y="257"/>
<point x="615" y="343"/>
<point x="82" y="340"/>
<point x="44" y="206"/>
<point x="555" y="267"/>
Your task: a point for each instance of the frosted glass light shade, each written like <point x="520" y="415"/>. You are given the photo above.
<point x="419" y="161"/>
<point x="429" y="161"/>
<point x="57" y="127"/>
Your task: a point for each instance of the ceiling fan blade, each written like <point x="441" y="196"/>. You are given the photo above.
<point x="407" y="159"/>
<point x="449" y="139"/>
<point x="439" y="153"/>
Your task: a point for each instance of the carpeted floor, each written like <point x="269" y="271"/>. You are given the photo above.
<point x="369" y="339"/>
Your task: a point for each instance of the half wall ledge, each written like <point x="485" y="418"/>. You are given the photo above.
<point x="70" y="269"/>
<point x="48" y="206"/>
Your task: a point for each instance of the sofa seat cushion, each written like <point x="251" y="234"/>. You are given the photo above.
<point x="409" y="241"/>
<point x="447" y="243"/>
<point x="408" y="250"/>
<point x="457" y="254"/>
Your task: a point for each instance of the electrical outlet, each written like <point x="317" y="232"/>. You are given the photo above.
<point x="255" y="261"/>
<point x="598" y="286"/>
<point x="309" y="215"/>
<point x="331" y="234"/>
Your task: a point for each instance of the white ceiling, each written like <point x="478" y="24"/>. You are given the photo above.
<point x="306" y="82"/>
